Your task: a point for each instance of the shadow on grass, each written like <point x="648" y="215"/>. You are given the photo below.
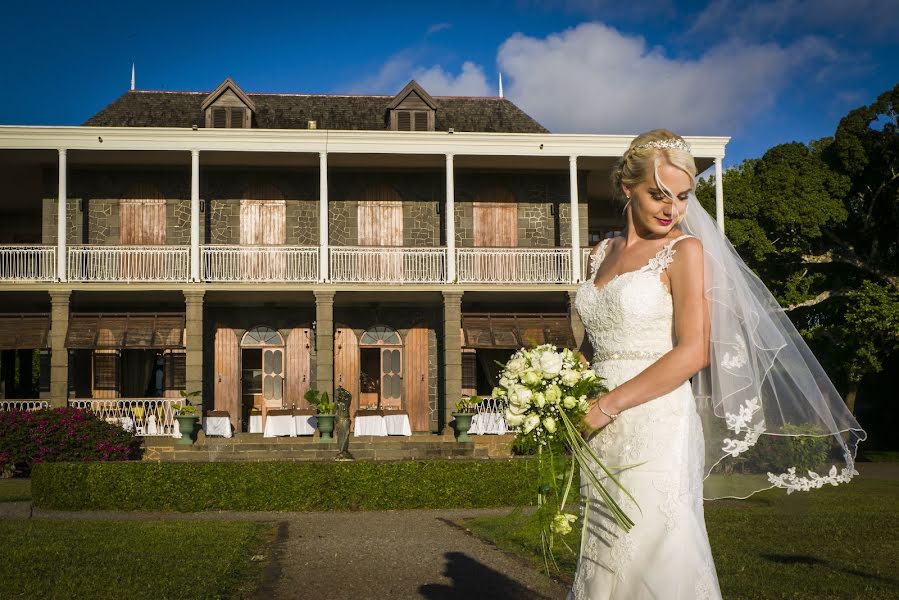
<point x="800" y="559"/>
<point x="472" y="579"/>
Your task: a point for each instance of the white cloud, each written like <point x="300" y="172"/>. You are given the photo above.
<point x="595" y="79"/>
<point x="436" y="27"/>
<point x="398" y="68"/>
<point x="471" y="81"/>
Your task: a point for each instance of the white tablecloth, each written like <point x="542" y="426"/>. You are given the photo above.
<point x="255" y="424"/>
<point x="488" y="423"/>
<point x="306" y="424"/>
<point x="370" y="425"/>
<point x="397" y="425"/>
<point x="276" y="425"/>
<point x="217" y="426"/>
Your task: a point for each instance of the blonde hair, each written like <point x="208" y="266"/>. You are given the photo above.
<point x="640" y="159"/>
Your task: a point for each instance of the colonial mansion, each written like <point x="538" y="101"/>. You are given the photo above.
<point x="251" y="246"/>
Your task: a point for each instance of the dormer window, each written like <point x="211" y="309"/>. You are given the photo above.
<point x="412" y="109"/>
<point x="228" y="107"/>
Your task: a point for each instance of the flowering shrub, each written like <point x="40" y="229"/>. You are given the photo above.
<point x="60" y="435"/>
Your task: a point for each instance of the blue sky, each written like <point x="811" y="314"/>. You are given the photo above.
<point x="763" y="72"/>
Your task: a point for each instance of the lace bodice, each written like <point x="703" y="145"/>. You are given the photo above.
<point x="633" y="312"/>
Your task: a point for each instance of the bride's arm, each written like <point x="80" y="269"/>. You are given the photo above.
<point x="691" y="352"/>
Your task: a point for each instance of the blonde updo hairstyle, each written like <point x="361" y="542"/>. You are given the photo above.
<point x="638" y="161"/>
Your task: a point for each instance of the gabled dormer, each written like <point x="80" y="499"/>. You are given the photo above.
<point x="228" y="107"/>
<point x="412" y="109"/>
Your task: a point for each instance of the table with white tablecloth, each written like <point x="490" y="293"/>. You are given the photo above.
<point x="217" y="423"/>
<point x="306" y="423"/>
<point x="255" y="423"/>
<point x="381" y="423"/>
<point x="280" y="422"/>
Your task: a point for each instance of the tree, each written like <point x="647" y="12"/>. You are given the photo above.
<point x="819" y="224"/>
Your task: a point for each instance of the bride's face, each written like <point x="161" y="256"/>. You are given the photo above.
<point x="652" y="209"/>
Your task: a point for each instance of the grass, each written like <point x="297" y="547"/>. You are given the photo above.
<point x="831" y="543"/>
<point x="135" y="560"/>
<point x="13" y="490"/>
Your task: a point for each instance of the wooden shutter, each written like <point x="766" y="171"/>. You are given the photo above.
<point x="106" y="373"/>
<point x="421" y="121"/>
<point x="346" y="364"/>
<point x="226" y="377"/>
<point x="142" y="222"/>
<point x="469" y="372"/>
<point x="219" y="117"/>
<point x="404" y="120"/>
<point x="415" y="379"/>
<point x="237" y="116"/>
<point x="262" y="222"/>
<point x="298" y="375"/>
<point x="495" y="224"/>
<point x="175" y="371"/>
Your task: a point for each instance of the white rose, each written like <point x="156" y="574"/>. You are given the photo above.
<point x="588" y="375"/>
<point x="514" y="420"/>
<point x="553" y="394"/>
<point x="569" y="402"/>
<point x="516" y="365"/>
<point x="540" y="399"/>
<point x="570" y="377"/>
<point x="562" y="523"/>
<point x="550" y="364"/>
<point x="531" y="422"/>
<point x="506" y="382"/>
<point x="498" y="392"/>
<point x="531" y="377"/>
<point x="517" y="409"/>
<point x="549" y="424"/>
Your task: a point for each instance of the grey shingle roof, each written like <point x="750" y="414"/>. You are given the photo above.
<point x="288" y="111"/>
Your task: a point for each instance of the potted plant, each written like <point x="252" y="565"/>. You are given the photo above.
<point x="187" y="418"/>
<point x="462" y="417"/>
<point x="324" y="412"/>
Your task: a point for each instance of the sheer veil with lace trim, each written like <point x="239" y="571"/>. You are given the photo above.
<point x="771" y="416"/>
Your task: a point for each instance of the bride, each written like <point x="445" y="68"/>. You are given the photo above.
<point x="667" y="300"/>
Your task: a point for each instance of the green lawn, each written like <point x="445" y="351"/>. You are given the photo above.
<point x="831" y="543"/>
<point x="12" y="490"/>
<point x="121" y="559"/>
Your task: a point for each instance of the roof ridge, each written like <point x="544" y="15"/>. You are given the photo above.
<point x="304" y="95"/>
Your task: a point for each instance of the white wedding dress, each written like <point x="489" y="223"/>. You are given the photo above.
<point x="657" y="448"/>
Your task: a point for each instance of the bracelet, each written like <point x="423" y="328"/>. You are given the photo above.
<point x="603" y="411"/>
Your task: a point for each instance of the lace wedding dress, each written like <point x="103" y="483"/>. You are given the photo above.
<point x="656" y="448"/>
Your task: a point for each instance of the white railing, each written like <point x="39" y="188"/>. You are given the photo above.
<point x="129" y="263"/>
<point x="7" y="405"/>
<point x="144" y="416"/>
<point x="513" y="265"/>
<point x="387" y="264"/>
<point x="260" y="263"/>
<point x="491" y="417"/>
<point x="585" y="263"/>
<point x="27" y="263"/>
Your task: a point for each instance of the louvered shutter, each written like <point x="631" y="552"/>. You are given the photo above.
<point x="236" y="118"/>
<point x="106" y="371"/>
<point x="175" y="371"/>
<point x="404" y="120"/>
<point x="421" y="121"/>
<point x="219" y="117"/>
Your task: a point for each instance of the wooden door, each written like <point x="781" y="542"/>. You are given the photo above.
<point x="346" y="364"/>
<point x="263" y="223"/>
<point x="391" y="378"/>
<point x="495" y="217"/>
<point x="273" y="377"/>
<point x="380" y="224"/>
<point x="297" y="373"/>
<point x="415" y="378"/>
<point x="227" y="363"/>
<point x="142" y="222"/>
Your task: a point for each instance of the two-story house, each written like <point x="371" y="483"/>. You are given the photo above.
<point x="252" y="246"/>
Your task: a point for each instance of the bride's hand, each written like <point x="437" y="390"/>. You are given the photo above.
<point x="594" y="420"/>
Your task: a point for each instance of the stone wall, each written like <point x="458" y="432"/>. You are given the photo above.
<point x="49" y="214"/>
<point x="342" y="218"/>
<point x="224" y="221"/>
<point x="421" y="224"/>
<point x="302" y="222"/>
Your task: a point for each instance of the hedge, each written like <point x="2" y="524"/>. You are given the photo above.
<point x="284" y="486"/>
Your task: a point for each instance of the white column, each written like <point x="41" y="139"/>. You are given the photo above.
<point x="719" y="194"/>
<point x="450" y="221"/>
<point x="323" y="217"/>
<point x="575" y="222"/>
<point x="195" y="215"/>
<point x="61" y="219"/>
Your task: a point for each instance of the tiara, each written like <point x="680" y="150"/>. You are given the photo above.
<point x="670" y="143"/>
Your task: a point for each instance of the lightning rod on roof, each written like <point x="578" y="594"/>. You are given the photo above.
<point x="132" y="77"/>
<point x="500" y="85"/>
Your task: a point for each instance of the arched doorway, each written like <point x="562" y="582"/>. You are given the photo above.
<point x="381" y="368"/>
<point x="262" y="370"/>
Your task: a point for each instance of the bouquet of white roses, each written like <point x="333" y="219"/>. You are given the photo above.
<point x="547" y="392"/>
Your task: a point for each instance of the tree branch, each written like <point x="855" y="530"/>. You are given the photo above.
<point x="848" y="257"/>
<point x="817" y="299"/>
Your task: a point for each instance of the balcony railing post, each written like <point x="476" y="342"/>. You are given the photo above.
<point x="575" y="221"/>
<point x="450" y="221"/>
<point x="61" y="219"/>
<point x="323" y="274"/>
<point x="194" y="215"/>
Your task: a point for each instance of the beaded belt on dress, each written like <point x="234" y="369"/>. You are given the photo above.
<point x="627" y="355"/>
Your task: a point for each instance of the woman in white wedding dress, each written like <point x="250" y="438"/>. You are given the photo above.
<point x="667" y="300"/>
<point x="646" y="319"/>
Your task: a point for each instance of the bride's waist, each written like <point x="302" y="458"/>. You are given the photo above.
<point x="629" y="355"/>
